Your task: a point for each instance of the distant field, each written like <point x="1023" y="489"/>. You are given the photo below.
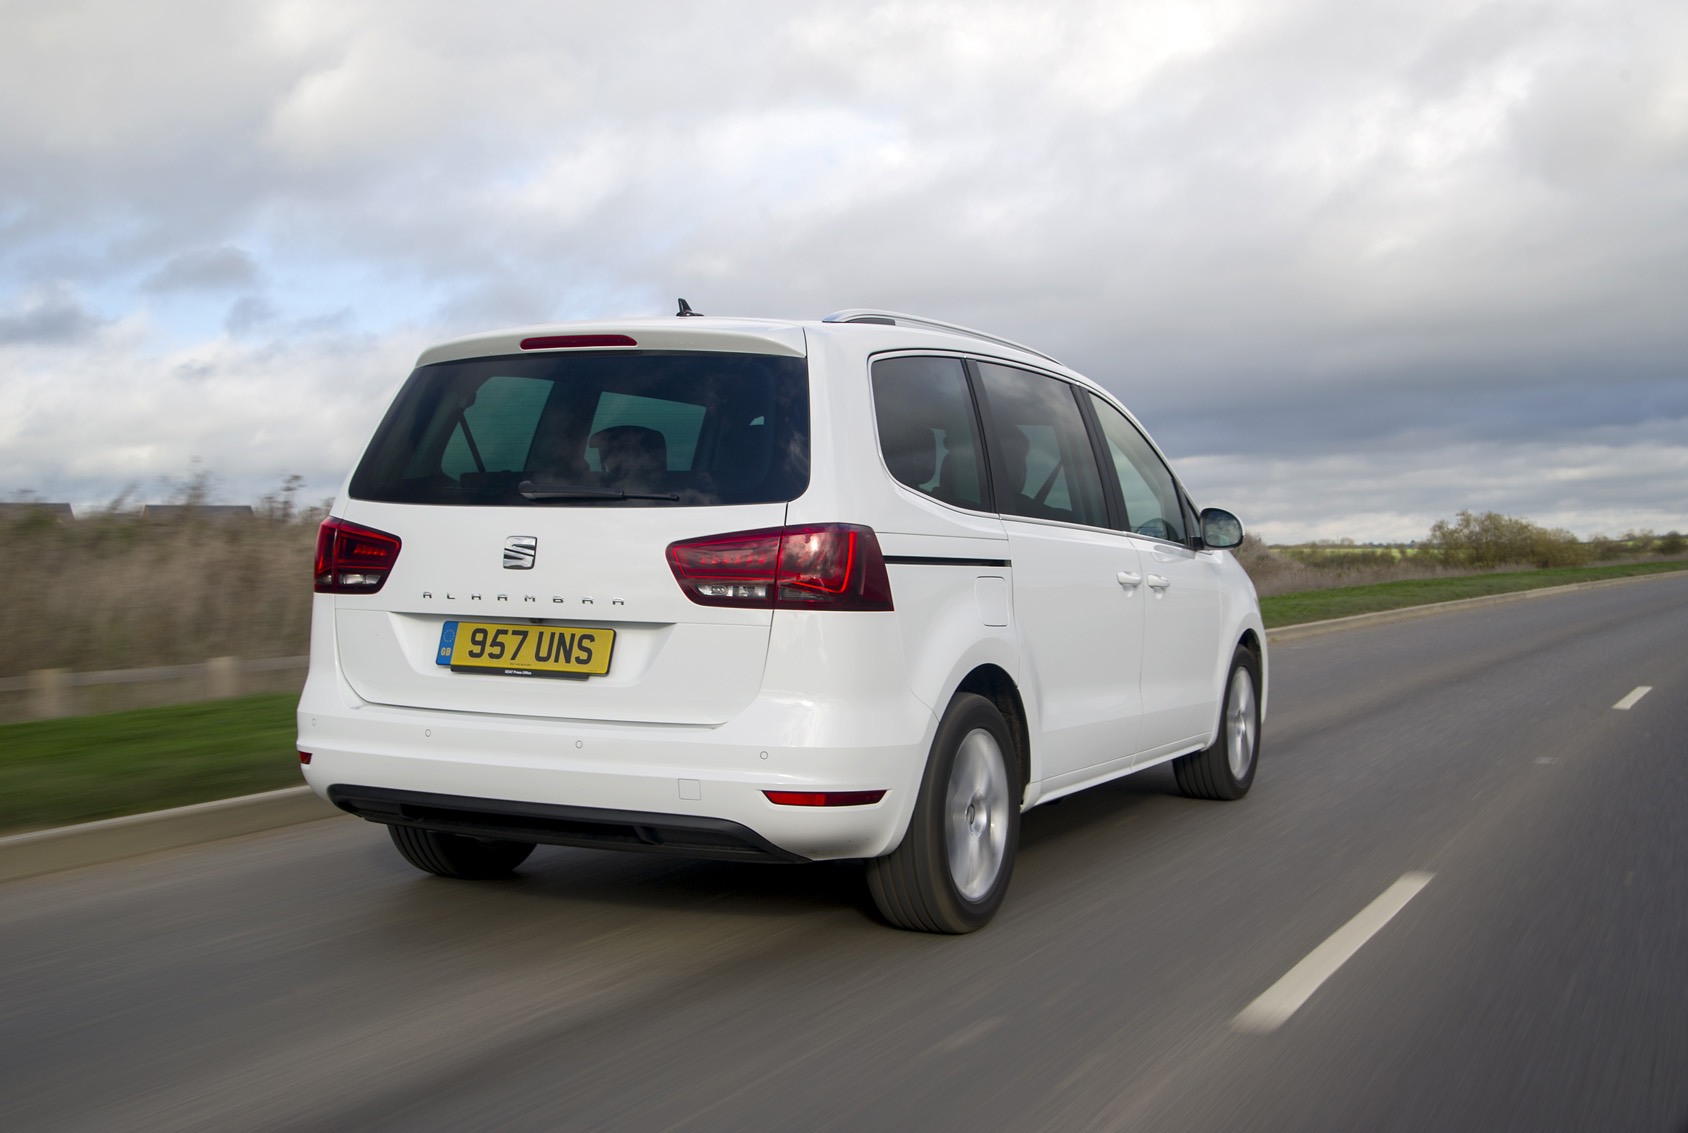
<point x="1412" y="550"/>
<point x="1315" y="550"/>
<point x="1318" y="605"/>
<point x="55" y="772"/>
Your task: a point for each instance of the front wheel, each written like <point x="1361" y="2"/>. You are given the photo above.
<point x="1226" y="769"/>
<point x="951" y="871"/>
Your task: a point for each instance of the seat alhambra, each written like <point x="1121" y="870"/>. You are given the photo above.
<point x="862" y="588"/>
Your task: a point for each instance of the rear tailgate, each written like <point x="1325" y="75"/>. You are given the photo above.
<point x="672" y="661"/>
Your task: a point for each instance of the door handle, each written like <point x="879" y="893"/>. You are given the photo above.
<point x="1129" y="578"/>
<point x="1159" y="582"/>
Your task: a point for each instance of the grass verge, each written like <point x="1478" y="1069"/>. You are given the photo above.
<point x="1319" y="605"/>
<point x="55" y="772"/>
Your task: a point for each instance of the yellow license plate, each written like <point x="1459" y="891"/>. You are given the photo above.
<point x="525" y="651"/>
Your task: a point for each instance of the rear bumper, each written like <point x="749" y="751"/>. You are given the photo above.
<point x="631" y="786"/>
<point x="690" y="835"/>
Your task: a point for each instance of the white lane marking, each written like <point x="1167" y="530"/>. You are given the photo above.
<point x="1278" y="1002"/>
<point x="1628" y="702"/>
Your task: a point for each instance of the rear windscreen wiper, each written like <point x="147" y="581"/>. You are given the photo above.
<point x="538" y="492"/>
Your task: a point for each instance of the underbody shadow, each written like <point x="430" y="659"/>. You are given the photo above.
<point x="1072" y="816"/>
<point x="675" y="884"/>
<point x="655" y="881"/>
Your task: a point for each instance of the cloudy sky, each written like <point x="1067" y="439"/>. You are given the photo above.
<point x="1358" y="265"/>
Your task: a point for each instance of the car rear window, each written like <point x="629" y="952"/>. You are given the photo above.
<point x="628" y="429"/>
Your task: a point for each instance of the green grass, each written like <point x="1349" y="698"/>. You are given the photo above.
<point x="1318" y="605"/>
<point x="54" y="772"/>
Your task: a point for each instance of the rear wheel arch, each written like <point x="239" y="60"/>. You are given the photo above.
<point x="994" y="684"/>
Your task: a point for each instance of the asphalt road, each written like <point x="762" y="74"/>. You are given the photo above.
<point x="1539" y="981"/>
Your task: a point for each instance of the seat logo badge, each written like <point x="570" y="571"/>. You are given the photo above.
<point x="519" y="551"/>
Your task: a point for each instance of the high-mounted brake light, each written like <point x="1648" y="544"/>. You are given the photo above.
<point x="824" y="566"/>
<point x="824" y="798"/>
<point x="556" y="341"/>
<point x="351" y="559"/>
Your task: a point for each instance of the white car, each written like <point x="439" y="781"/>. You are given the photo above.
<point x="862" y="588"/>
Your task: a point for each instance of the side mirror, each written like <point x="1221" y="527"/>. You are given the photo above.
<point x="1220" y="529"/>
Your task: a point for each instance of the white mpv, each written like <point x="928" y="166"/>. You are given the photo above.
<point x="862" y="588"/>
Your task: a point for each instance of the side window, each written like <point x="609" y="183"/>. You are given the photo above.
<point x="927" y="430"/>
<point x="1151" y="497"/>
<point x="1044" y="465"/>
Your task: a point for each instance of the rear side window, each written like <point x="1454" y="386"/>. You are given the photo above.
<point x="1043" y="462"/>
<point x="663" y="428"/>
<point x="927" y="430"/>
<point x="1151" y="497"/>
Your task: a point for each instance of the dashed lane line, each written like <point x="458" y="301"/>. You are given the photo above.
<point x="1278" y="1002"/>
<point x="1628" y="702"/>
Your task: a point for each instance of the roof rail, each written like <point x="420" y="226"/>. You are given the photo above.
<point x="898" y="318"/>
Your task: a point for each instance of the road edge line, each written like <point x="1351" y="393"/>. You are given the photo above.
<point x="1408" y="613"/>
<point x="59" y="848"/>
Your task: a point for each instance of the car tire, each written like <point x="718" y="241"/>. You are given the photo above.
<point x="951" y="870"/>
<point x="454" y="855"/>
<point x="1226" y="770"/>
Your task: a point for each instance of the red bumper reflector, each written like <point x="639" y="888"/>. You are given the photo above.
<point x="824" y="798"/>
<point x="556" y="341"/>
<point x="304" y="757"/>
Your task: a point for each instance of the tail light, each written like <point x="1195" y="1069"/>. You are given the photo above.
<point x="825" y="566"/>
<point x="352" y="559"/>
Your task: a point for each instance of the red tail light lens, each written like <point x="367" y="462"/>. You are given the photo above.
<point x="832" y="566"/>
<point x="351" y="559"/>
<point x="824" y="798"/>
<point x="728" y="570"/>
